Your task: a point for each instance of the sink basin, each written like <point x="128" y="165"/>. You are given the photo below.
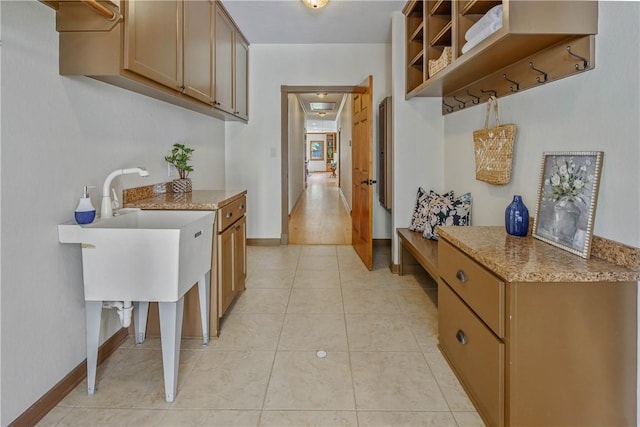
<point x="143" y="255"/>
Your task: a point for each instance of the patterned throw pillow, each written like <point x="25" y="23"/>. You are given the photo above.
<point x="444" y="211"/>
<point x="421" y="210"/>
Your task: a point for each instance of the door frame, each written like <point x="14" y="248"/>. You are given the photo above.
<point x="285" y="91"/>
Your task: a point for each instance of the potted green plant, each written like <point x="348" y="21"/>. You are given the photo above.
<point x="179" y="158"/>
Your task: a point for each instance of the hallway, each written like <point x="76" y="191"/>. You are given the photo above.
<point x="320" y="217"/>
<point x="381" y="365"/>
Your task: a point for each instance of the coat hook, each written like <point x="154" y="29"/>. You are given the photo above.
<point x="492" y="92"/>
<point x="475" y="100"/>
<point x="448" y="107"/>
<point x="544" y="75"/>
<point x="504" y="76"/>
<point x="460" y="101"/>
<point x="585" y="61"/>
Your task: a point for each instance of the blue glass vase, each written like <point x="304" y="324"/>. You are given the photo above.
<point x="516" y="218"/>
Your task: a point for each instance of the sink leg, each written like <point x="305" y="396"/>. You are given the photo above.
<point x="204" y="290"/>
<point x="170" y="334"/>
<point x="93" y="313"/>
<point x="140" y="313"/>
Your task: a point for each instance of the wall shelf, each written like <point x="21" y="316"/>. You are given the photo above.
<point x="478" y="7"/>
<point x="529" y="27"/>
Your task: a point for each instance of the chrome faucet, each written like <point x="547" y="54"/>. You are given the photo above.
<point x="106" y="209"/>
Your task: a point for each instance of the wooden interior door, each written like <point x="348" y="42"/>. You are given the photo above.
<point x="362" y="149"/>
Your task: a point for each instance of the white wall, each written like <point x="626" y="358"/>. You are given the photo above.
<point x="418" y="159"/>
<point x="320" y="126"/>
<point x="597" y="110"/>
<point x="317" y="165"/>
<point x="58" y="134"/>
<point x="249" y="164"/>
<point x="296" y="151"/>
<point x="345" y="150"/>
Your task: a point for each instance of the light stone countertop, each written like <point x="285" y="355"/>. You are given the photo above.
<point x="203" y="200"/>
<point x="525" y="259"/>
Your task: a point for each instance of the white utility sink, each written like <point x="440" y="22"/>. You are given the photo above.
<point x="144" y="256"/>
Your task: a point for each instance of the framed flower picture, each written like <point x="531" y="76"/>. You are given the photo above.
<point x="567" y="199"/>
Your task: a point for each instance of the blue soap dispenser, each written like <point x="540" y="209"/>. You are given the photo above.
<point x="85" y="212"/>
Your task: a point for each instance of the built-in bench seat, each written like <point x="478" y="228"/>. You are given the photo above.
<point x="416" y="250"/>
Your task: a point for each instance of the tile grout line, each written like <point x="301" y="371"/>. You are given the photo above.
<point x="346" y="332"/>
<point x="275" y="353"/>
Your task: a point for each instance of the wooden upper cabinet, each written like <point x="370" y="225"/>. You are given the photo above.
<point x="223" y="63"/>
<point x="153" y="40"/>
<point x="241" y="77"/>
<point x="186" y="52"/>
<point x="231" y="66"/>
<point x="198" y="49"/>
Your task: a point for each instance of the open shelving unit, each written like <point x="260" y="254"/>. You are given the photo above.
<point x="529" y="28"/>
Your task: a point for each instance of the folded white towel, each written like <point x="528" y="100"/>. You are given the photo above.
<point x="486" y="32"/>
<point x="492" y="16"/>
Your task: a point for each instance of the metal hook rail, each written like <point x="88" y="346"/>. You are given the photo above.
<point x="548" y="65"/>
<point x="545" y="76"/>
<point x="460" y="102"/>
<point x="504" y="76"/>
<point x="475" y="99"/>
<point x="585" y="61"/>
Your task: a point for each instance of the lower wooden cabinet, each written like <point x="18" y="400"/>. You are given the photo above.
<point x="538" y="352"/>
<point x="228" y="273"/>
<point x="476" y="353"/>
<point x="232" y="266"/>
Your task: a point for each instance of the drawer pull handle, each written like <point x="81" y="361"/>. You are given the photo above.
<point x="229" y="214"/>
<point x="461" y="337"/>
<point x="461" y="276"/>
<point x="241" y="207"/>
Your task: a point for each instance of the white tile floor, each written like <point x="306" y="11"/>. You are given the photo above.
<point x="379" y="332"/>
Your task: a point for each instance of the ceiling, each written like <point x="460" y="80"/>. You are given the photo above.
<point x="328" y="112"/>
<point x="290" y="21"/>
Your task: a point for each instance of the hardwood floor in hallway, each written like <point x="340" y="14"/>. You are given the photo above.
<point x="320" y="217"/>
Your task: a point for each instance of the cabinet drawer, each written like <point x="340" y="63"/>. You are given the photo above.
<point x="479" y="289"/>
<point x="474" y="353"/>
<point x="232" y="212"/>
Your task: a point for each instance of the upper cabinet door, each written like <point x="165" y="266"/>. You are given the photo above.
<point x="153" y="40"/>
<point x="241" y="77"/>
<point x="223" y="74"/>
<point x="198" y="51"/>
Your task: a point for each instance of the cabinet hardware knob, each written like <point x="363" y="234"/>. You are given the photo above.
<point x="229" y="214"/>
<point x="461" y="337"/>
<point x="241" y="207"/>
<point x="461" y="276"/>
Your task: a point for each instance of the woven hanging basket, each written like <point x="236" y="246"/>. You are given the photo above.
<point x="181" y="185"/>
<point x="494" y="149"/>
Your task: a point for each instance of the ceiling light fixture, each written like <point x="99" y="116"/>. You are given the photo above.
<point x="315" y="4"/>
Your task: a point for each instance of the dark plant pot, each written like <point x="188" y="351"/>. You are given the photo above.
<point x="181" y="185"/>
